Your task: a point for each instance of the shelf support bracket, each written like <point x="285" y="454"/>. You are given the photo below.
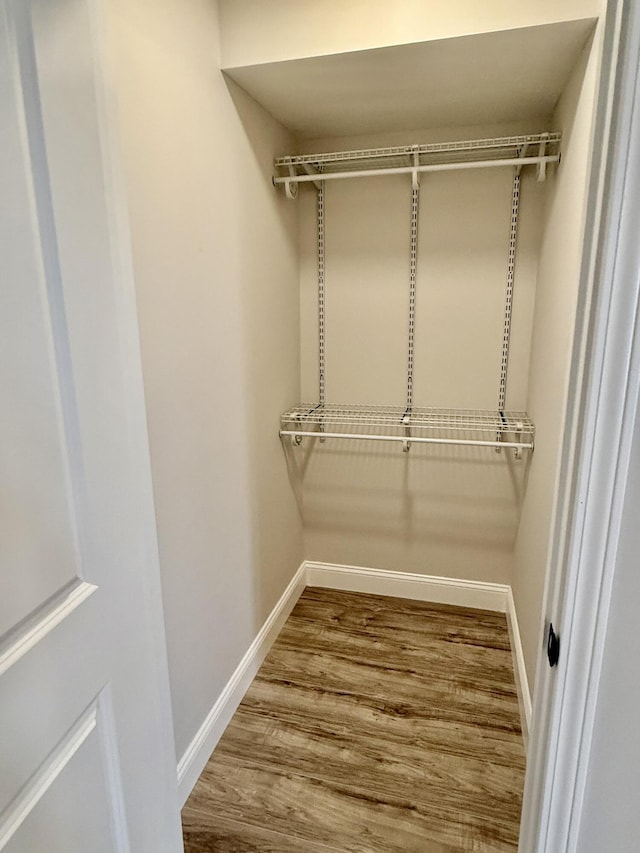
<point x="406" y="444"/>
<point x="290" y="184"/>
<point x="311" y="171"/>
<point x="521" y="156"/>
<point x="415" y="174"/>
<point x="541" y="168"/>
<point x="517" y="453"/>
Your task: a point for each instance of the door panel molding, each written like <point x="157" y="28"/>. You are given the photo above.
<point x="32" y="120"/>
<point x="28" y="798"/>
<point x="41" y="621"/>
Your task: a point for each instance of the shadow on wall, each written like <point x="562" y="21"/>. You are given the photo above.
<point x="435" y="510"/>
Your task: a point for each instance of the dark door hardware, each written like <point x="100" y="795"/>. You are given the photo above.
<point x="553" y="646"/>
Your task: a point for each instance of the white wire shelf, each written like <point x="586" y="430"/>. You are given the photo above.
<point x="469" y="427"/>
<point x="539" y="149"/>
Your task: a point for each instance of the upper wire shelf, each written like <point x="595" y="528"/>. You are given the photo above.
<point x="471" y="427"/>
<point x="538" y="148"/>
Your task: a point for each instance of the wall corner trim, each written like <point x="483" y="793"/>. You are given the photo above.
<point x="439" y="590"/>
<point x="519" y="668"/>
<point x="206" y="738"/>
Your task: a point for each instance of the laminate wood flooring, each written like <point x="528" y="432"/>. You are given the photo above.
<point x="374" y="725"/>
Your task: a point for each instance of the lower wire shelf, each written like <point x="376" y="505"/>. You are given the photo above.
<point x="469" y="427"/>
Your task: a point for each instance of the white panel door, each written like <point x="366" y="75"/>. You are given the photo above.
<point x="87" y="760"/>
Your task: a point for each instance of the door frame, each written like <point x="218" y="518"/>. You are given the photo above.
<point x="603" y="396"/>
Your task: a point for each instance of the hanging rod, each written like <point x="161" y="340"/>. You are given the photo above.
<point x="413" y="159"/>
<point x="407" y="437"/>
<point x="469" y="427"/>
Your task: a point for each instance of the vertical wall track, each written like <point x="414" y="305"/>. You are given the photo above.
<point x="321" y="313"/>
<point x="413" y="267"/>
<point x="508" y="305"/>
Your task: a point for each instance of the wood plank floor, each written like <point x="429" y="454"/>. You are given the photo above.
<point x="375" y="725"/>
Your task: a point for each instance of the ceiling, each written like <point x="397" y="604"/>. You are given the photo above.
<point x="489" y="78"/>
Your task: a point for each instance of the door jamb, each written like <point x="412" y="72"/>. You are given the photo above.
<point x="603" y="396"/>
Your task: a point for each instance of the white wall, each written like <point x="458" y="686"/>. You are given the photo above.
<point x="554" y="319"/>
<point x="216" y="273"/>
<point x="443" y="511"/>
<point x="292" y="29"/>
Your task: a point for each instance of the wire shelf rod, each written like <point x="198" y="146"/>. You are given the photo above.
<point x="408" y="170"/>
<point x="457" y="147"/>
<point x="464" y="427"/>
<point x="467" y="442"/>
<point x="420" y="416"/>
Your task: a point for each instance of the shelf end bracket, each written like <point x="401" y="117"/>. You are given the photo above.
<point x="541" y="169"/>
<point x="415" y="173"/>
<point x="290" y="184"/>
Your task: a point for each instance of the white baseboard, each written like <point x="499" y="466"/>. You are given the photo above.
<point x="440" y="590"/>
<point x="197" y="753"/>
<point x="483" y="596"/>
<point x="519" y="668"/>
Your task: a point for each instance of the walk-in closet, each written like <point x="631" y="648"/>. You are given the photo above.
<point x="321" y="373"/>
<point x="357" y="233"/>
